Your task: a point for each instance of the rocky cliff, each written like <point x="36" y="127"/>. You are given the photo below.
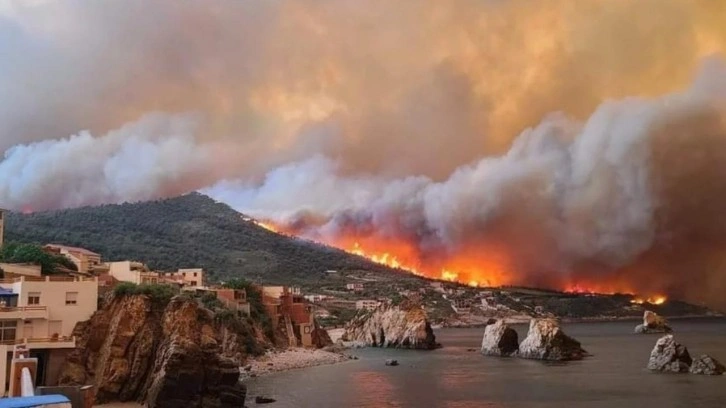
<point x="399" y="326"/>
<point x="546" y="341"/>
<point x="178" y="354"/>
<point x="652" y="323"/>
<point x="499" y="340"/>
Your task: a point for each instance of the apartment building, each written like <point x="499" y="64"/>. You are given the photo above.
<point x="290" y="312"/>
<point x="185" y="277"/>
<point x="41" y="313"/>
<point x="84" y="259"/>
<point x="235" y="299"/>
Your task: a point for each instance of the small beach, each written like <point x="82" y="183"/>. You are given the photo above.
<point x="290" y="359"/>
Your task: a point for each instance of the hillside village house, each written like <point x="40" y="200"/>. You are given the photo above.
<point x="288" y="310"/>
<point x="185" y="277"/>
<point x="367" y="304"/>
<point x="133" y="272"/>
<point x="40" y="313"/>
<point x="84" y="259"/>
<point x="354" y="287"/>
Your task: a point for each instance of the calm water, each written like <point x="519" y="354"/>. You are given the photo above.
<point x="455" y="378"/>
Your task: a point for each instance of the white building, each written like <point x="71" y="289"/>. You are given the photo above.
<point x="186" y="277"/>
<point x="315" y="298"/>
<point x="355" y="287"/>
<point x="133" y="272"/>
<point x="41" y="314"/>
<point x="366" y="304"/>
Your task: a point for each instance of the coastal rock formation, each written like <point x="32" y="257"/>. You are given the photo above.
<point x="178" y="354"/>
<point x="652" y="323"/>
<point x="321" y="338"/>
<point x="398" y="326"/>
<point x="546" y="341"/>
<point x="707" y="365"/>
<point x="669" y="356"/>
<point x="499" y="340"/>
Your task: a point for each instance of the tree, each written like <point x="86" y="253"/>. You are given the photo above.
<point x="34" y="254"/>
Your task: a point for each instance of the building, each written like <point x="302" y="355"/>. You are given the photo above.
<point x="461" y="306"/>
<point x="40" y="314"/>
<point x="367" y="304"/>
<point x="84" y="259"/>
<point x="315" y="298"/>
<point x="18" y="269"/>
<point x="131" y="271"/>
<point x="355" y="287"/>
<point x="235" y="299"/>
<point x="185" y="277"/>
<point x="289" y="311"/>
<point x="275" y="292"/>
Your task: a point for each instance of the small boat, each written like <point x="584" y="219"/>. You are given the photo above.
<point x="38" y="401"/>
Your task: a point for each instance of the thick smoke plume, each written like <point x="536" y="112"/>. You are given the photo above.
<point x="552" y="143"/>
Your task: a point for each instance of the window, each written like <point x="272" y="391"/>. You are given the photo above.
<point x="184" y="274"/>
<point x="195" y="274"/>
<point x="33" y="298"/>
<point x="8" y="329"/>
<point x="193" y="283"/>
<point x="71" y="298"/>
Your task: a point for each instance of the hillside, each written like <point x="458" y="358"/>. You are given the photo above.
<point x="190" y="231"/>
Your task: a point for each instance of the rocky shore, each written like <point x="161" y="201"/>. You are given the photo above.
<point x="140" y="348"/>
<point x="396" y="326"/>
<point x="291" y="359"/>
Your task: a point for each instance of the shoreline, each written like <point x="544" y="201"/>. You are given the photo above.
<point x="290" y="359"/>
<point x="599" y="319"/>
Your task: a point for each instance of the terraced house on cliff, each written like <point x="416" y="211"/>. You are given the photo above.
<point x="40" y="314"/>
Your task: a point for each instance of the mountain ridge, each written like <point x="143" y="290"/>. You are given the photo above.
<point x="192" y="230"/>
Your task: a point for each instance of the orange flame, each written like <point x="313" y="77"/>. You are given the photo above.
<point x="656" y="300"/>
<point x="475" y="268"/>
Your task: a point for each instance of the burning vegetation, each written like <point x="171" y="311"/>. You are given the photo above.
<point x="469" y="272"/>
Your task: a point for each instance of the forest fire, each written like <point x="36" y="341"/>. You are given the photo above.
<point x="472" y="268"/>
<point x="656" y="300"/>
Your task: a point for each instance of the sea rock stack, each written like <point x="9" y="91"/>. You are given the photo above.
<point x="499" y="340"/>
<point x="546" y="341"/>
<point x="652" y="323"/>
<point x="669" y="356"/>
<point x="397" y="326"/>
<point x="165" y="355"/>
<point x="707" y="365"/>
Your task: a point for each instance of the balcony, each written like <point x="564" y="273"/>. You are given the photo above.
<point x="43" y="343"/>
<point x="24" y="312"/>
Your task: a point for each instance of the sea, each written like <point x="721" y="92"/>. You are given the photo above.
<point x="456" y="377"/>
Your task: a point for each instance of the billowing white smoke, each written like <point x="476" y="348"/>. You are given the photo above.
<point x="139" y="161"/>
<point x="586" y="187"/>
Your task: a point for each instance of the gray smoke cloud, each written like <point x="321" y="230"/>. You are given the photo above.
<point x="532" y="138"/>
<point x="567" y="191"/>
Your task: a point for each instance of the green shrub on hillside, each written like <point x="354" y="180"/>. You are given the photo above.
<point x="158" y="293"/>
<point x="14" y="252"/>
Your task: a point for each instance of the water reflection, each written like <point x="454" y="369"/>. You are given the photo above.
<point x="374" y="389"/>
